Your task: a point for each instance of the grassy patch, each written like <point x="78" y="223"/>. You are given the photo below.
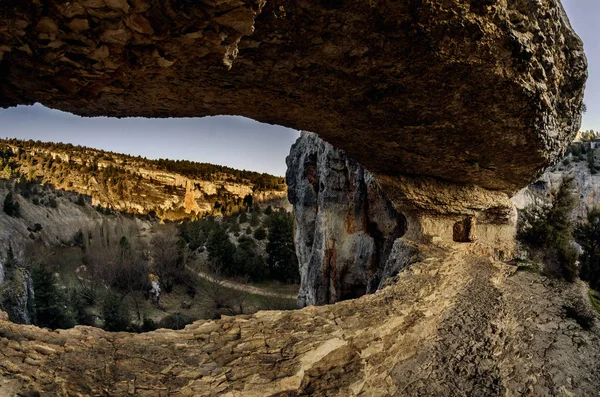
<point x="595" y="299"/>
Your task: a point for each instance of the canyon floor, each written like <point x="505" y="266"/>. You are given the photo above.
<point x="456" y="323"/>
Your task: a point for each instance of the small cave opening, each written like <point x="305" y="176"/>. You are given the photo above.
<point x="464" y="230"/>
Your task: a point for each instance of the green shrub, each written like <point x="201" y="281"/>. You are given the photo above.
<point x="11" y="206"/>
<point x="546" y="231"/>
<point x="260" y="234"/>
<point x="114" y="313"/>
<point x="175" y="321"/>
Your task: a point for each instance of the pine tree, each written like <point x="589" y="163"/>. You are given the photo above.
<point x="547" y="230"/>
<point x="114" y="313"/>
<point x="52" y="310"/>
<point x="221" y="250"/>
<point x="282" y="260"/>
<point x="11" y="206"/>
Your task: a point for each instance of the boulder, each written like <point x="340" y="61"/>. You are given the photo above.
<point x="470" y="92"/>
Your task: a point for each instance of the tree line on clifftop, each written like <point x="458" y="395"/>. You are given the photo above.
<point x="90" y="158"/>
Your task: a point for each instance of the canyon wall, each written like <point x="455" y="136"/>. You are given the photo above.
<point x="134" y="185"/>
<point x="345" y="227"/>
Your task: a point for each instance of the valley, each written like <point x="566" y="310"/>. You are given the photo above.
<point x="81" y="237"/>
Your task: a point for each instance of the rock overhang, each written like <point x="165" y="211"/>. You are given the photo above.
<point x="482" y="93"/>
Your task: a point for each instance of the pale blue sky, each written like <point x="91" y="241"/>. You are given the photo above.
<point x="236" y="141"/>
<point x="584" y="16"/>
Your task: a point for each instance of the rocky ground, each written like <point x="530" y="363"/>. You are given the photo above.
<point x="455" y="323"/>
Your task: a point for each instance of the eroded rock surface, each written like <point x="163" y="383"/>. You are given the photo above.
<point x="585" y="187"/>
<point x="471" y="92"/>
<point x="350" y="238"/>
<point x="345" y="226"/>
<point x="455" y="323"/>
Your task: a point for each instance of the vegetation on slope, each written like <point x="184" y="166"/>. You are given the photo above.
<point x="546" y="230"/>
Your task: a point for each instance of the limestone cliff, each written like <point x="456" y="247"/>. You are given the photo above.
<point x="585" y="182"/>
<point x="345" y="227"/>
<point x="135" y="185"/>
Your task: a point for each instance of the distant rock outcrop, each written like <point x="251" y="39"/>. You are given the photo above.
<point x="578" y="169"/>
<point x="345" y="226"/>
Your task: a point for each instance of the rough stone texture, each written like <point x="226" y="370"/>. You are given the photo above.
<point x="433" y="208"/>
<point x="345" y="227"/>
<point x="454" y="324"/>
<point x="350" y="238"/>
<point x="17" y="295"/>
<point x="471" y="92"/>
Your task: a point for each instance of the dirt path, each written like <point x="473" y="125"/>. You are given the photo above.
<point x="239" y="286"/>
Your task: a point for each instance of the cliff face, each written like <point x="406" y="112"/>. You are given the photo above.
<point x="17" y="295"/>
<point x="138" y="186"/>
<point x="345" y="227"/>
<point x="586" y="185"/>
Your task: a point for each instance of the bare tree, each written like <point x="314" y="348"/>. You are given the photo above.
<point x="223" y="300"/>
<point x="167" y="256"/>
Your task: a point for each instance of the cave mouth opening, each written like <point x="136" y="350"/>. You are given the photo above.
<point x="463" y="230"/>
<point x="242" y="143"/>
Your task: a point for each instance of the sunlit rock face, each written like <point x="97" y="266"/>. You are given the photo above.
<point x="470" y="92"/>
<point x="345" y="227"/>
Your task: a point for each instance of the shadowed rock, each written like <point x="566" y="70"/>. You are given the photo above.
<point x="345" y="226"/>
<point x="472" y="92"/>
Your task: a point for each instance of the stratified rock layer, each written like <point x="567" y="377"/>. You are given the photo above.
<point x="345" y="227"/>
<point x="472" y="92"/>
<point x="454" y="324"/>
